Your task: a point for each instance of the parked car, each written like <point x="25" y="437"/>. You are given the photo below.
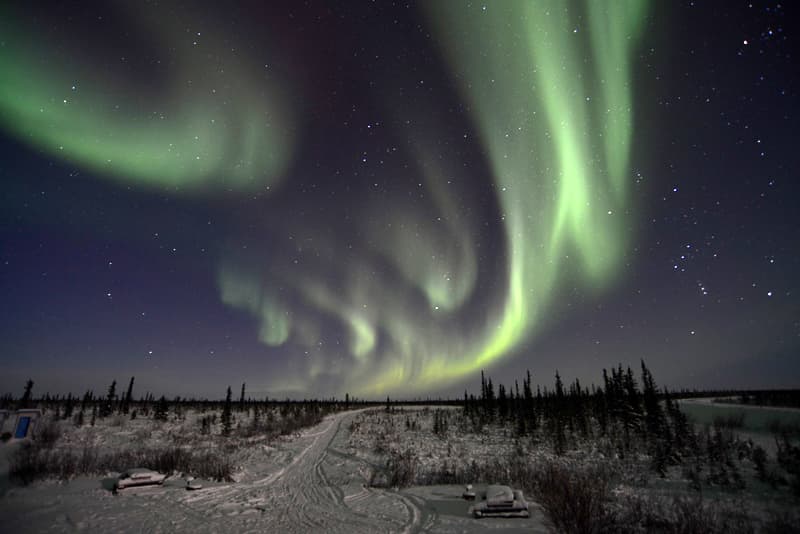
<point x="138" y="477"/>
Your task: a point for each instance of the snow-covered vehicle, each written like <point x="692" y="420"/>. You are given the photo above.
<point x="502" y="501"/>
<point x="138" y="477"/>
<point x="469" y="493"/>
<point x="192" y="484"/>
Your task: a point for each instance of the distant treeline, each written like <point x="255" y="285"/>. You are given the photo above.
<point x="783" y="398"/>
<point x="621" y="410"/>
<point x="112" y="402"/>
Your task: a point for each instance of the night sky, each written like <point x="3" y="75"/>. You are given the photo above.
<point x="384" y="198"/>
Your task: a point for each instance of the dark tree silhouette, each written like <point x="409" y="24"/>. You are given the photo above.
<point x="126" y="406"/>
<point x="162" y="408"/>
<point x="108" y="406"/>
<point x="227" y="417"/>
<point x="25" y="401"/>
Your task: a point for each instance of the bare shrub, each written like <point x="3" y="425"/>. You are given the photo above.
<point x="47" y="432"/>
<point x="788" y="457"/>
<point x="172" y="460"/>
<point x="402" y="468"/>
<point x="692" y="515"/>
<point x="87" y="460"/>
<point x="210" y="465"/>
<point x="680" y="515"/>
<point x="759" y="458"/>
<point x="293" y="419"/>
<point x="720" y="451"/>
<point x="32" y="462"/>
<point x="575" y="500"/>
<point x="27" y="464"/>
<point x="635" y="513"/>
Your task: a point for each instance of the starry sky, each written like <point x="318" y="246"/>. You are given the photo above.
<point x="384" y="198"/>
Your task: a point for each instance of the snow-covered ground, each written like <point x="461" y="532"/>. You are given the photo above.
<point x="335" y="477"/>
<point x="377" y="435"/>
<point x="310" y="482"/>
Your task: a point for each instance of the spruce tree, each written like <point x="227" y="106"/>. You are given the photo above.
<point x="527" y="394"/>
<point x="68" y="406"/>
<point x="108" y="406"/>
<point x="25" y="401"/>
<point x="255" y="423"/>
<point x="226" y="414"/>
<point x="557" y="418"/>
<point x="128" y="397"/>
<point x="87" y="398"/>
<point x="162" y="409"/>
<point x="490" y="399"/>
<point x="655" y="422"/>
<point x="632" y="410"/>
<point x="502" y="402"/>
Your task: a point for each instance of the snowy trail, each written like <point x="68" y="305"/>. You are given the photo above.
<point x="304" y="496"/>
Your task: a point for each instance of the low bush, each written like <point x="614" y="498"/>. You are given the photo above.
<point x="28" y="463"/>
<point x="689" y="515"/>
<point x="34" y="462"/>
<point x="47" y="432"/>
<point x="574" y="500"/>
<point x="402" y="468"/>
<point x="692" y="515"/>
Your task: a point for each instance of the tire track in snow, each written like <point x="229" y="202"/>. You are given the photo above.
<point x="300" y="496"/>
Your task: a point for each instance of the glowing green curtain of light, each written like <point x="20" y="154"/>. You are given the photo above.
<point x="553" y="107"/>
<point x="213" y="124"/>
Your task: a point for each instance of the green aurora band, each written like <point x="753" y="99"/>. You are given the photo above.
<point x="214" y="124"/>
<point x="557" y="131"/>
<point x="552" y="103"/>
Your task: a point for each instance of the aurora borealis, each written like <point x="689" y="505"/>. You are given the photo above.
<point x="182" y="134"/>
<point x="385" y="200"/>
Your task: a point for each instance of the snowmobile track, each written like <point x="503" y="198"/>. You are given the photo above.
<point x="300" y="497"/>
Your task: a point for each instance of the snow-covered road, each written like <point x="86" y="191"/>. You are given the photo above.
<point x="313" y="493"/>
